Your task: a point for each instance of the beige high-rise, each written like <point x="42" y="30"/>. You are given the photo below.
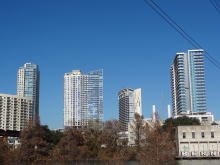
<point x="15" y="111"/>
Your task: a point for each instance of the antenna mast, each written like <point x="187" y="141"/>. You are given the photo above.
<point x="161" y="104"/>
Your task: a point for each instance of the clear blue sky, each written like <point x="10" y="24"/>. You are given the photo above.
<point x="126" y="38"/>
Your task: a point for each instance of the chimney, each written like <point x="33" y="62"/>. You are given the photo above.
<point x="154" y="110"/>
<point x="169" y="113"/>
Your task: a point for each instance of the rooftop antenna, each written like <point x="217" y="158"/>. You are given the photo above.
<point x="161" y="104"/>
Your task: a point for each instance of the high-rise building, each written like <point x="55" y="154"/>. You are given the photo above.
<point x="129" y="102"/>
<point x="137" y="101"/>
<point x="28" y="83"/>
<point x="83" y="97"/>
<point x="14" y="111"/>
<point x="188" y="83"/>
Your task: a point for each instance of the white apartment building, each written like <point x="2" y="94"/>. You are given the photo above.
<point x="83" y="97"/>
<point x="14" y="111"/>
<point x="198" y="141"/>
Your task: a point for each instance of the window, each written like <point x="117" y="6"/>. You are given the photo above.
<point x="203" y="134"/>
<point x="193" y="135"/>
<point x="184" y="135"/>
<point x="212" y="134"/>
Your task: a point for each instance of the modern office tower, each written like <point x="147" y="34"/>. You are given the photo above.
<point x="188" y="83"/>
<point x="83" y="97"/>
<point x="28" y="83"/>
<point x="14" y="111"/>
<point x="129" y="102"/>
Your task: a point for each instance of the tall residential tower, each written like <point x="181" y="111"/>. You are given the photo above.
<point x="28" y="84"/>
<point x="129" y="102"/>
<point x="188" y="83"/>
<point x="83" y="97"/>
<point x="15" y="111"/>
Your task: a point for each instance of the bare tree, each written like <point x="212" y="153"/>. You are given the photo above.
<point x="32" y="144"/>
<point x="110" y="135"/>
<point x="138" y="127"/>
<point x="3" y="151"/>
<point x="158" y="146"/>
<point x="92" y="136"/>
<point x="70" y="142"/>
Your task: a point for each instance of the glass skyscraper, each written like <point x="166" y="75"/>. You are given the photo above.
<point x="83" y="97"/>
<point x="28" y="83"/>
<point x="188" y="83"/>
<point x="95" y="95"/>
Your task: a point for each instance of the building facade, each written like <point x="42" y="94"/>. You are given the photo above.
<point x="188" y="83"/>
<point x="129" y="103"/>
<point x="15" y="111"/>
<point x="137" y="101"/>
<point x="83" y="97"/>
<point x="13" y="142"/>
<point x="198" y="141"/>
<point x="28" y="84"/>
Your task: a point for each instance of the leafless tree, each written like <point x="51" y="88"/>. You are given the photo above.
<point x="70" y="142"/>
<point x="92" y="136"/>
<point x="33" y="147"/>
<point x="138" y="127"/>
<point x="110" y="135"/>
<point x="3" y="151"/>
<point x="158" y="146"/>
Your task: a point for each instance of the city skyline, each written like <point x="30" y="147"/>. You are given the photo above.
<point x="127" y="39"/>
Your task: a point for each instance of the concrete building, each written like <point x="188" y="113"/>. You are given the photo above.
<point x="28" y="84"/>
<point x="14" y="111"/>
<point x="83" y="97"/>
<point x="137" y="101"/>
<point x="14" y="142"/>
<point x="205" y="119"/>
<point x="123" y="138"/>
<point x="126" y="106"/>
<point x="129" y="103"/>
<point x="198" y="141"/>
<point x="188" y="83"/>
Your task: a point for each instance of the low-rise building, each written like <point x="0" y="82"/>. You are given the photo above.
<point x="14" y="142"/>
<point x="205" y="119"/>
<point x="198" y="141"/>
<point x="123" y="138"/>
<point x="59" y="129"/>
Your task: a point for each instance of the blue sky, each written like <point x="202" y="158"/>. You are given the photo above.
<point x="127" y="39"/>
